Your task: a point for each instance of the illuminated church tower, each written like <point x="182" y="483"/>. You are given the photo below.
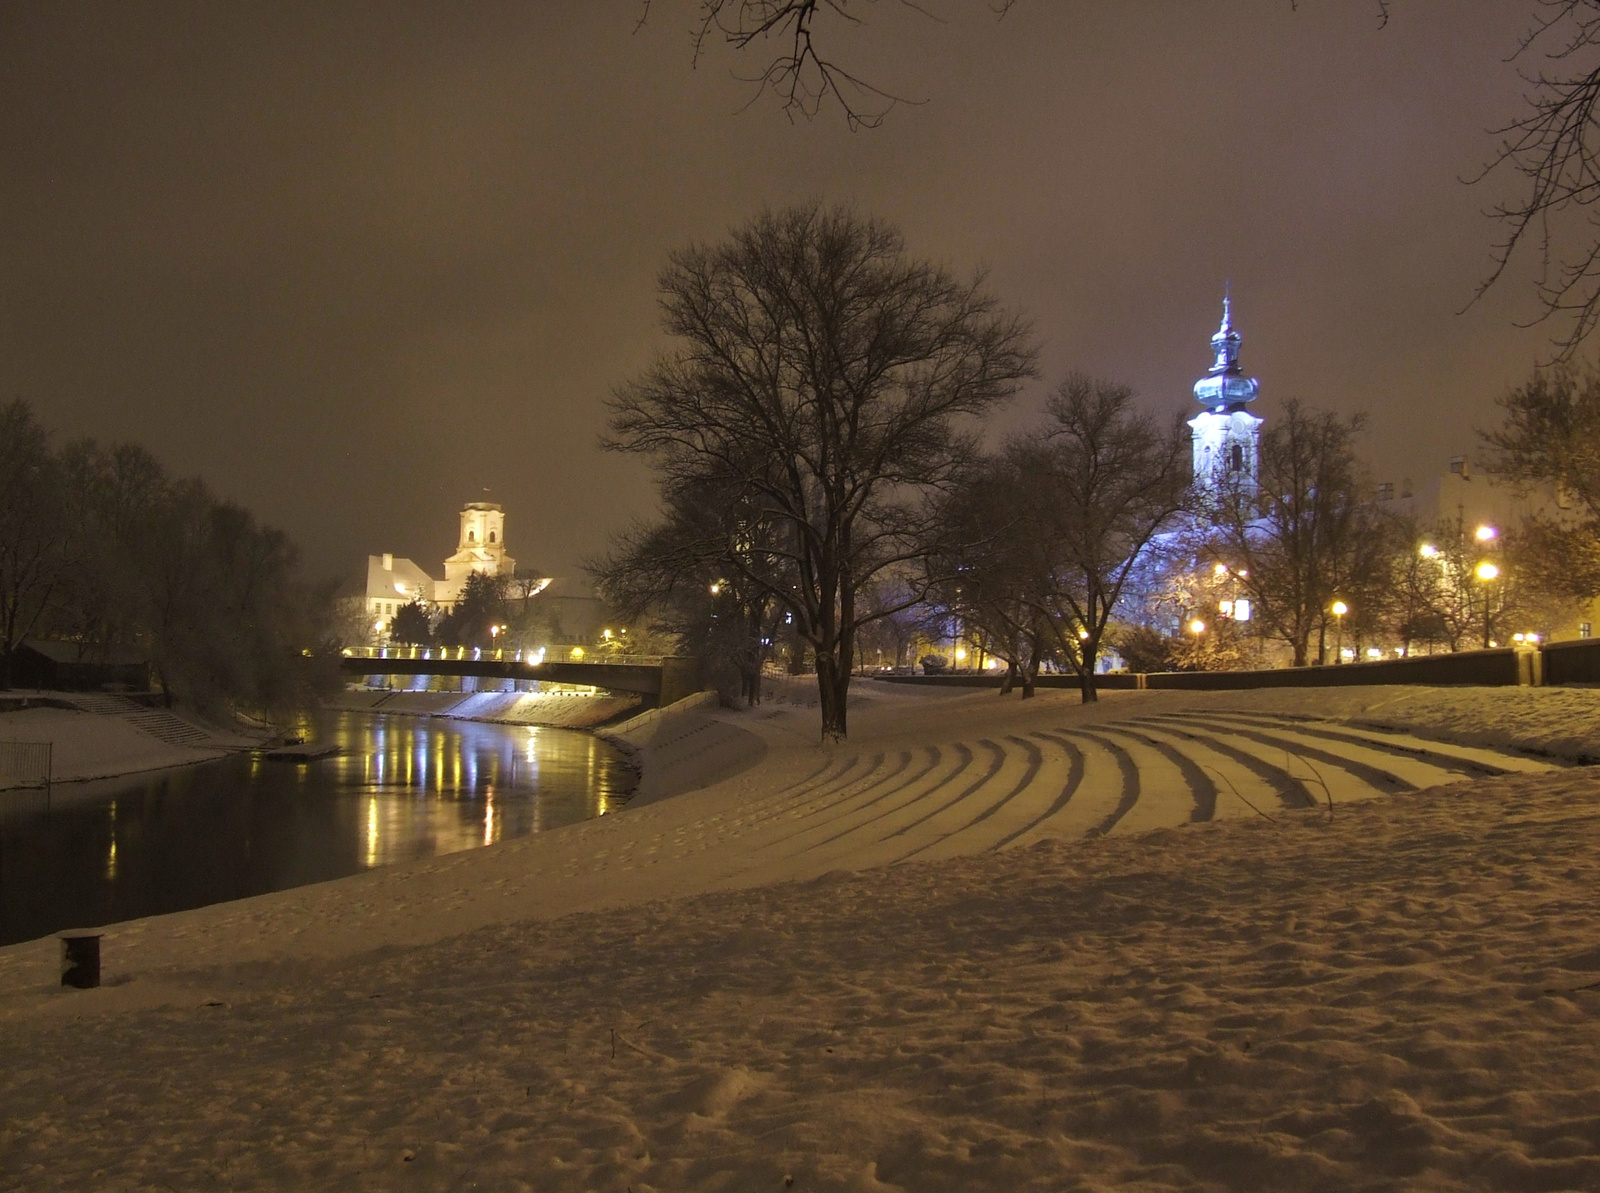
<point x="482" y="549"/>
<point x="1226" y="435"/>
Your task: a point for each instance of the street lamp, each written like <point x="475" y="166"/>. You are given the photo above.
<point x="1197" y="626"/>
<point x="1486" y="572"/>
<point x="1339" y="609"/>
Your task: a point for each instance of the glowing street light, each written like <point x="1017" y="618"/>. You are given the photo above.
<point x="1339" y="609"/>
<point x="1486" y="572"/>
<point x="1428" y="551"/>
<point x="1197" y="626"/>
<point x="1486" y="534"/>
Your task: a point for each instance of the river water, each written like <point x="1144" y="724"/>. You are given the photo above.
<point x="403" y="788"/>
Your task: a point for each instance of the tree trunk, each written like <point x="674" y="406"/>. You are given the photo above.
<point x="833" y="690"/>
<point x="1088" y="652"/>
<point x="1010" y="679"/>
<point x="1031" y="672"/>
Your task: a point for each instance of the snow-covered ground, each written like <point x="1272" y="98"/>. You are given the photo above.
<point x="732" y="989"/>
<point x="100" y="745"/>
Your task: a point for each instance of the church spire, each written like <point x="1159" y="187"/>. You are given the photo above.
<point x="1225" y="386"/>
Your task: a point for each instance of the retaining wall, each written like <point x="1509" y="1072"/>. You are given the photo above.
<point x="1556" y="663"/>
<point x="1572" y="662"/>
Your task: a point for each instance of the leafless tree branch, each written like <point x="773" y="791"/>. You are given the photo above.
<point x="802" y="72"/>
<point x="1555" y="147"/>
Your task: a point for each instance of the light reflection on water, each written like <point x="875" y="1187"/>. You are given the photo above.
<point x="403" y="788"/>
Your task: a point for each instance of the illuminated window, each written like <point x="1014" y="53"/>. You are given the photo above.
<point x="1583" y="629"/>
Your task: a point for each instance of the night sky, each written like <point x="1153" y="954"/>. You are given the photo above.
<point x="358" y="263"/>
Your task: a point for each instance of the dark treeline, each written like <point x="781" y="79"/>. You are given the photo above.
<point x="101" y="548"/>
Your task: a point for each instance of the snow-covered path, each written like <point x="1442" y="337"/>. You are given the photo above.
<point x="1000" y="790"/>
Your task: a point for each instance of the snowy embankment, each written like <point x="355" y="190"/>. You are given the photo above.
<point x="551" y="709"/>
<point x="730" y="989"/>
<point x="124" y="739"/>
<point x="683" y="747"/>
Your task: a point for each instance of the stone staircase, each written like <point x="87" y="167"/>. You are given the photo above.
<point x="155" y="722"/>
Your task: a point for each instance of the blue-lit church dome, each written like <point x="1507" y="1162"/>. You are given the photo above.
<point x="1225" y="386"/>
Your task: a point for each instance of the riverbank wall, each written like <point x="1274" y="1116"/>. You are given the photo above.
<point x="554" y="710"/>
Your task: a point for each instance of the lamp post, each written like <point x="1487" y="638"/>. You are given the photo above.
<point x="1486" y="572"/>
<point x="1338" y="609"/>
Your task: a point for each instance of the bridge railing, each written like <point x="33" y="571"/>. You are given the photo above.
<point x="532" y="658"/>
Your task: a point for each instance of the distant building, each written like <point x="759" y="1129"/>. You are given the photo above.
<point x="393" y="582"/>
<point x="1472" y="499"/>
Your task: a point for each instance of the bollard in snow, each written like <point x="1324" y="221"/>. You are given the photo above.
<point x="80" y="960"/>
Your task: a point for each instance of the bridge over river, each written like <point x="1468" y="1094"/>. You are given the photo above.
<point x="659" y="679"/>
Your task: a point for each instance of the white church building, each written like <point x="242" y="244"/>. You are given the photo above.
<point x="393" y="582"/>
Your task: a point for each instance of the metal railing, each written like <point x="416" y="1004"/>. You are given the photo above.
<point x="25" y="763"/>
<point x="532" y="658"/>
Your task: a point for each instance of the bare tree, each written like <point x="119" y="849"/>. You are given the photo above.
<point x="34" y="551"/>
<point x="1555" y="147"/>
<point x="823" y="376"/>
<point x="1102" y="482"/>
<point x="691" y="575"/>
<point x="1549" y="434"/>
<point x="1059" y="524"/>
<point x="801" y="70"/>
<point x="1307" y="536"/>
<point x="980" y="571"/>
